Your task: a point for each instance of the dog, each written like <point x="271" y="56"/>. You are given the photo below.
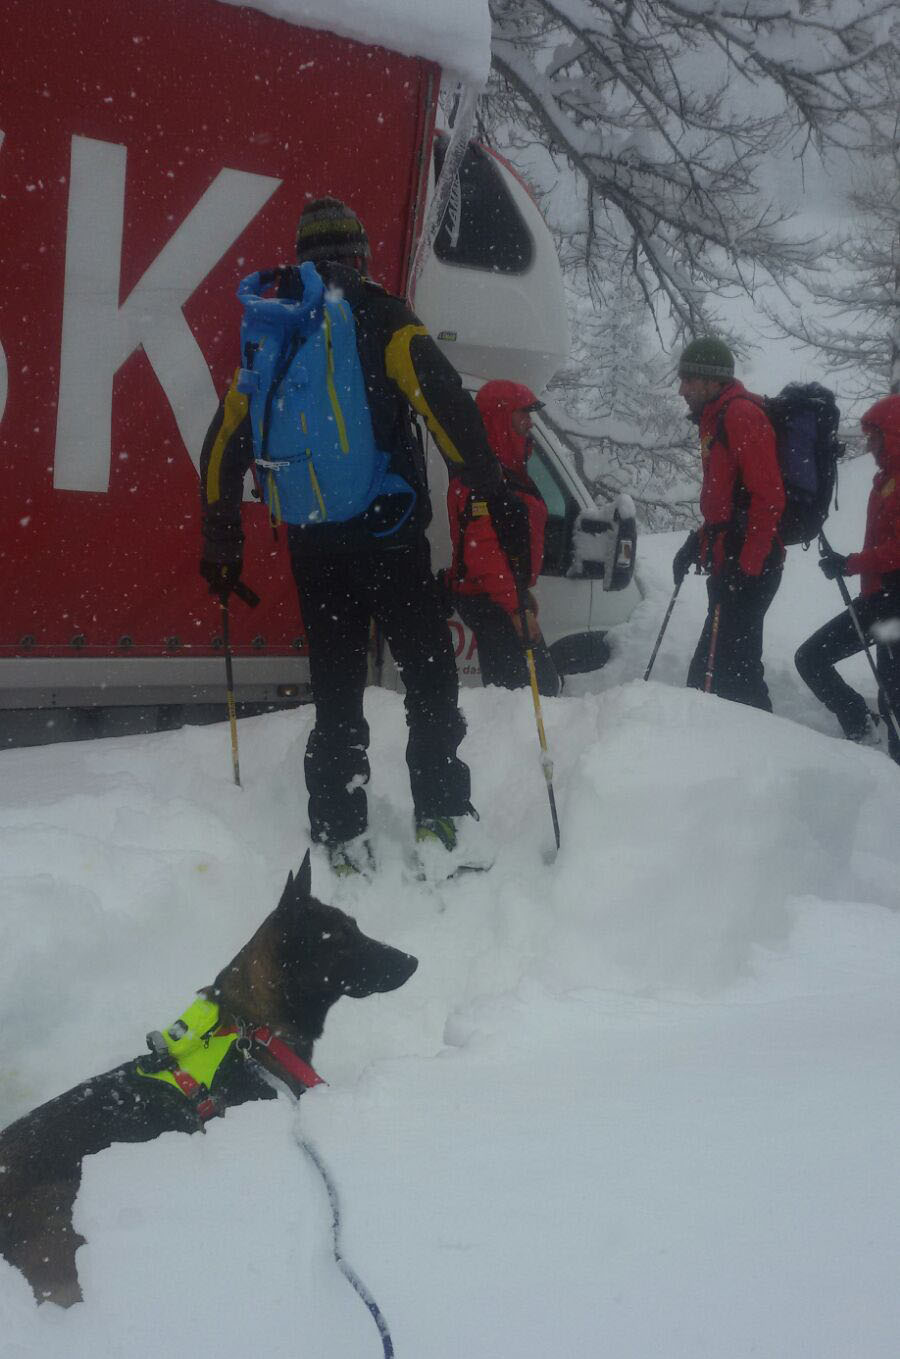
<point x="253" y="1028"/>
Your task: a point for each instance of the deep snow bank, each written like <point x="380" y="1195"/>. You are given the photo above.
<point x="657" y="1072"/>
<point x="134" y="869"/>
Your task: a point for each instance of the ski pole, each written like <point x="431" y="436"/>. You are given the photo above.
<point x="546" y="762"/>
<point x="713" y="641"/>
<point x="229" y="693"/>
<point x="826" y="550"/>
<point x="251" y="599"/>
<point x="665" y="624"/>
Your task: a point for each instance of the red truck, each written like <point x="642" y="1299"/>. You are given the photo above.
<point x="152" y="154"/>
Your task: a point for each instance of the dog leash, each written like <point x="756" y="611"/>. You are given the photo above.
<point x="190" y="1040"/>
<point x="292" y="1062"/>
<point x="343" y="1265"/>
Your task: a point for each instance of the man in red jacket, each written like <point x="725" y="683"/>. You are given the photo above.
<point x="741" y="500"/>
<point x="485" y="593"/>
<point x="878" y="605"/>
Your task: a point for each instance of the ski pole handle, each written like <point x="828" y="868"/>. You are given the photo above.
<point x="244" y="593"/>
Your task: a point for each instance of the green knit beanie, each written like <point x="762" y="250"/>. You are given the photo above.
<point x="706" y="358"/>
<point x="329" y="230"/>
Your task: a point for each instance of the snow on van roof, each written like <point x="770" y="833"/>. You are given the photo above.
<point x="454" y="33"/>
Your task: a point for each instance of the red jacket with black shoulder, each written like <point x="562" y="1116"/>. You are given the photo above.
<point x="742" y="496"/>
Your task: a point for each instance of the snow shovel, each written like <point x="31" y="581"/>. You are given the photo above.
<point x="827" y="550"/>
<point x="546" y="762"/>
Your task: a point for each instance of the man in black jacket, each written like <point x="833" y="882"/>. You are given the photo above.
<point x="345" y="575"/>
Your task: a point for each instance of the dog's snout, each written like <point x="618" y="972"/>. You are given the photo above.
<point x="382" y="969"/>
<point x="397" y="969"/>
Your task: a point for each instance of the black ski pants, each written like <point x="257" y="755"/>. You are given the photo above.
<point x="501" y="654"/>
<point x="339" y="594"/>
<point x="736" y="663"/>
<point x="836" y="641"/>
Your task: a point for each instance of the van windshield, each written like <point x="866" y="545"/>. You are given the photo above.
<point x="482" y="227"/>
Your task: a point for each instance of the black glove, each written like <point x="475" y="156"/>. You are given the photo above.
<point x="686" y="556"/>
<point x="221" y="577"/>
<point x="510" y="520"/>
<point x="832" y="565"/>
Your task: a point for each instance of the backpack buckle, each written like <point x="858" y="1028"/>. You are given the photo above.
<point x="248" y="381"/>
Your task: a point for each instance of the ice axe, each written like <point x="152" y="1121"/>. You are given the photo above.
<point x="251" y="599"/>
<point x="827" y="551"/>
<point x="546" y="762"/>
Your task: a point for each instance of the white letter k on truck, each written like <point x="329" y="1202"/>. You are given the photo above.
<point x="98" y="334"/>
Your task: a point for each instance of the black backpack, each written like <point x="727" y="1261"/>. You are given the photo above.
<point x="805" y="419"/>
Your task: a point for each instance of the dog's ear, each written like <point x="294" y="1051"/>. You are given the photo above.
<point x="304" y="879"/>
<point x="287" y="896"/>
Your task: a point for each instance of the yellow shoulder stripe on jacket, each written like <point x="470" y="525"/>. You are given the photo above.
<point x="400" y="369"/>
<point x="236" y="407"/>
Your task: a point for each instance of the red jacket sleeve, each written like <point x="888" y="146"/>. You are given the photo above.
<point x="537" y="523"/>
<point x="881" y="554"/>
<point x="751" y="439"/>
<point x="479" y="562"/>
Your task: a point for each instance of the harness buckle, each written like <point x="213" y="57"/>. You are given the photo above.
<point x="243" y="1042"/>
<point x="159" y="1058"/>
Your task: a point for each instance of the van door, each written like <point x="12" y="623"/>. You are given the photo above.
<point x="564" y="601"/>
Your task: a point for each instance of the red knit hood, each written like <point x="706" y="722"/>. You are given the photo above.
<point x="496" y="401"/>
<point x="885" y="416"/>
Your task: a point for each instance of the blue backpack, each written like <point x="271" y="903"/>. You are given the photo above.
<point x="805" y="419"/>
<point x="312" y="431"/>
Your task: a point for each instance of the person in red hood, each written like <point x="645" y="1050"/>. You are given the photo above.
<point x="741" y="500"/>
<point x="485" y="592"/>
<point x="877" y="606"/>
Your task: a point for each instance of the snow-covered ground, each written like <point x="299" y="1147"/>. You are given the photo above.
<point x="643" y="1101"/>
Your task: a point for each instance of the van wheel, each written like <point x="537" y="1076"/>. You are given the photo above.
<point x="580" y="653"/>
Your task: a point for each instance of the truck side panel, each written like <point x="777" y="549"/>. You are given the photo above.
<point x="151" y="154"/>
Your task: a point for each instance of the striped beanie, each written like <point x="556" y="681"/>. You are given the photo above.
<point x="328" y="230"/>
<point x="706" y="358"/>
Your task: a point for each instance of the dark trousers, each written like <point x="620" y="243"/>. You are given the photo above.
<point x="501" y="653"/>
<point x="837" y="640"/>
<point x="737" y="668"/>
<point x="339" y="594"/>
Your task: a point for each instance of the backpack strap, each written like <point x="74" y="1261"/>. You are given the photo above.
<point x="285" y="359"/>
<point x="721" y="431"/>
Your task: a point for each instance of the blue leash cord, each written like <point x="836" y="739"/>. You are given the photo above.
<point x="348" y="1272"/>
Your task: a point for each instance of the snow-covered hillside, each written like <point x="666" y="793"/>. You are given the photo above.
<point x="642" y="1101"/>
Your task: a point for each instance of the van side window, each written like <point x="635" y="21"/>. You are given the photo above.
<point x="562" y="513"/>
<point x="482" y="227"/>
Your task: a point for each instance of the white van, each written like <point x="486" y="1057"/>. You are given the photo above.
<point x="492" y="295"/>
